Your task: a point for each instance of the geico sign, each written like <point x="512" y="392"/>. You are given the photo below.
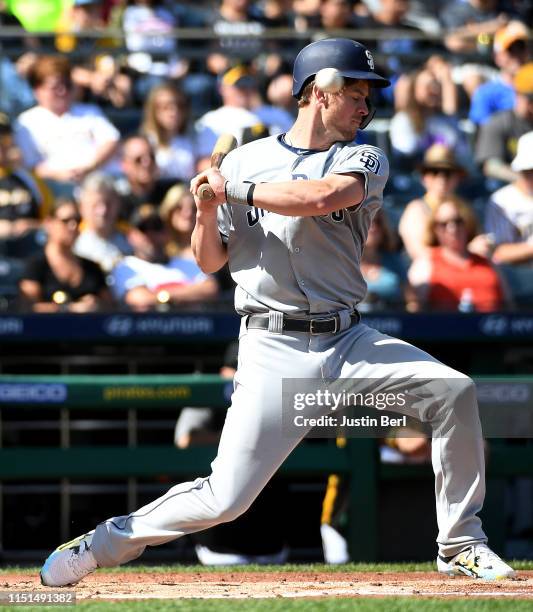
<point x="33" y="392"/>
<point x="503" y="392"/>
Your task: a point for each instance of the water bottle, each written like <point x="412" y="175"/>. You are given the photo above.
<point x="466" y="302"/>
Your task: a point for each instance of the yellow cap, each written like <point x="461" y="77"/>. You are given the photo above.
<point x="509" y="34"/>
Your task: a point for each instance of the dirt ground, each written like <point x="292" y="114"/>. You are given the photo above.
<point x="173" y="585"/>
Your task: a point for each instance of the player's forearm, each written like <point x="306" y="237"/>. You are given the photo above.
<point x="209" y="250"/>
<point x="308" y="198"/>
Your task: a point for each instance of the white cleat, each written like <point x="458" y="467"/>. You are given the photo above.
<point x="478" y="561"/>
<point x="69" y="563"/>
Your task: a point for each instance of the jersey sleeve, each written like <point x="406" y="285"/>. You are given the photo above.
<point x="369" y="161"/>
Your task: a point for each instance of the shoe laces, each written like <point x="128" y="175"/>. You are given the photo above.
<point x="482" y="551"/>
<point x="81" y="560"/>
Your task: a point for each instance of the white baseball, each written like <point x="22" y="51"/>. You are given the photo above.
<point x="329" y="80"/>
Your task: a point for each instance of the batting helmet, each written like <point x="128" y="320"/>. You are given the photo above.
<point x="349" y="57"/>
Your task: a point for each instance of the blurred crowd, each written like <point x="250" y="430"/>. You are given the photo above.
<point x="104" y="122"/>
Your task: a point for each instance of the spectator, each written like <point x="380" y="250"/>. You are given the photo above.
<point x="148" y="26"/>
<point x="387" y="15"/>
<point x="104" y="81"/>
<point x="424" y="14"/>
<point x="426" y="113"/>
<point x="333" y="15"/>
<point x="497" y="140"/>
<point x="242" y="18"/>
<point x="178" y="212"/>
<point x="276" y="13"/>
<point x="238" y="91"/>
<point x="102" y="238"/>
<point x="509" y="217"/>
<point x="16" y="95"/>
<point x="166" y="126"/>
<point x="141" y="182"/>
<point x="50" y="132"/>
<point x="441" y="174"/>
<point x="448" y="276"/>
<point x="510" y="53"/>
<point x="381" y="267"/>
<point x="279" y="93"/>
<point x="58" y="279"/>
<point x="24" y="200"/>
<point x="470" y="23"/>
<point x="149" y="277"/>
<point x="78" y="17"/>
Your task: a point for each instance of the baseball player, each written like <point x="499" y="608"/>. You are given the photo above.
<point x="290" y="214"/>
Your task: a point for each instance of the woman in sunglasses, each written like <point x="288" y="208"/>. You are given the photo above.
<point x="448" y="276"/>
<point x="441" y="175"/>
<point x="57" y="279"/>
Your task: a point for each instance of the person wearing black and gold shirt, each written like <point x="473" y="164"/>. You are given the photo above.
<point x="24" y="200"/>
<point x="57" y="278"/>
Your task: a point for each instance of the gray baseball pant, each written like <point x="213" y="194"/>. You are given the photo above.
<point x="253" y="444"/>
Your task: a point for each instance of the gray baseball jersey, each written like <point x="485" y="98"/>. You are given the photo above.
<point x="299" y="265"/>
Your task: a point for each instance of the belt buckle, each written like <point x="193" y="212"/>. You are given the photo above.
<point x="317" y="333"/>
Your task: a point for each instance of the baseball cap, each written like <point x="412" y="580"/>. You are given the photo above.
<point x="146" y="217"/>
<point x="509" y="34"/>
<point x="440" y="157"/>
<point x="523" y="80"/>
<point x="239" y="76"/>
<point x="524" y="153"/>
<point x="254" y="132"/>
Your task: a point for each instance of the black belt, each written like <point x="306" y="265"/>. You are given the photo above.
<point x="323" y="325"/>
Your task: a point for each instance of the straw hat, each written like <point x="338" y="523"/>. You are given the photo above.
<point x="440" y="157"/>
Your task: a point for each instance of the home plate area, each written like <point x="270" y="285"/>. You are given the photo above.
<point x="229" y="585"/>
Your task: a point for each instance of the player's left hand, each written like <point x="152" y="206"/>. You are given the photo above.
<point x="216" y="181"/>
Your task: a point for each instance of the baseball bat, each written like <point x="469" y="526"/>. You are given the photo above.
<point x="224" y="144"/>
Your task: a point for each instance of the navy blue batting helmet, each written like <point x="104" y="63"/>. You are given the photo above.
<point x="350" y="58"/>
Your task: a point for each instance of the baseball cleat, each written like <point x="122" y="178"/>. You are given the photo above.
<point x="478" y="561"/>
<point x="69" y="563"/>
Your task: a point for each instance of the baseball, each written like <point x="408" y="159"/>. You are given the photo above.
<point x="329" y="80"/>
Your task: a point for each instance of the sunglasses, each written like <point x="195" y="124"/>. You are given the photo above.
<point x="152" y="226"/>
<point x="456" y="221"/>
<point x="69" y="220"/>
<point x="436" y="171"/>
<point x="139" y="159"/>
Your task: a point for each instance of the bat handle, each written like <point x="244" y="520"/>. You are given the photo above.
<point x="205" y="192"/>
